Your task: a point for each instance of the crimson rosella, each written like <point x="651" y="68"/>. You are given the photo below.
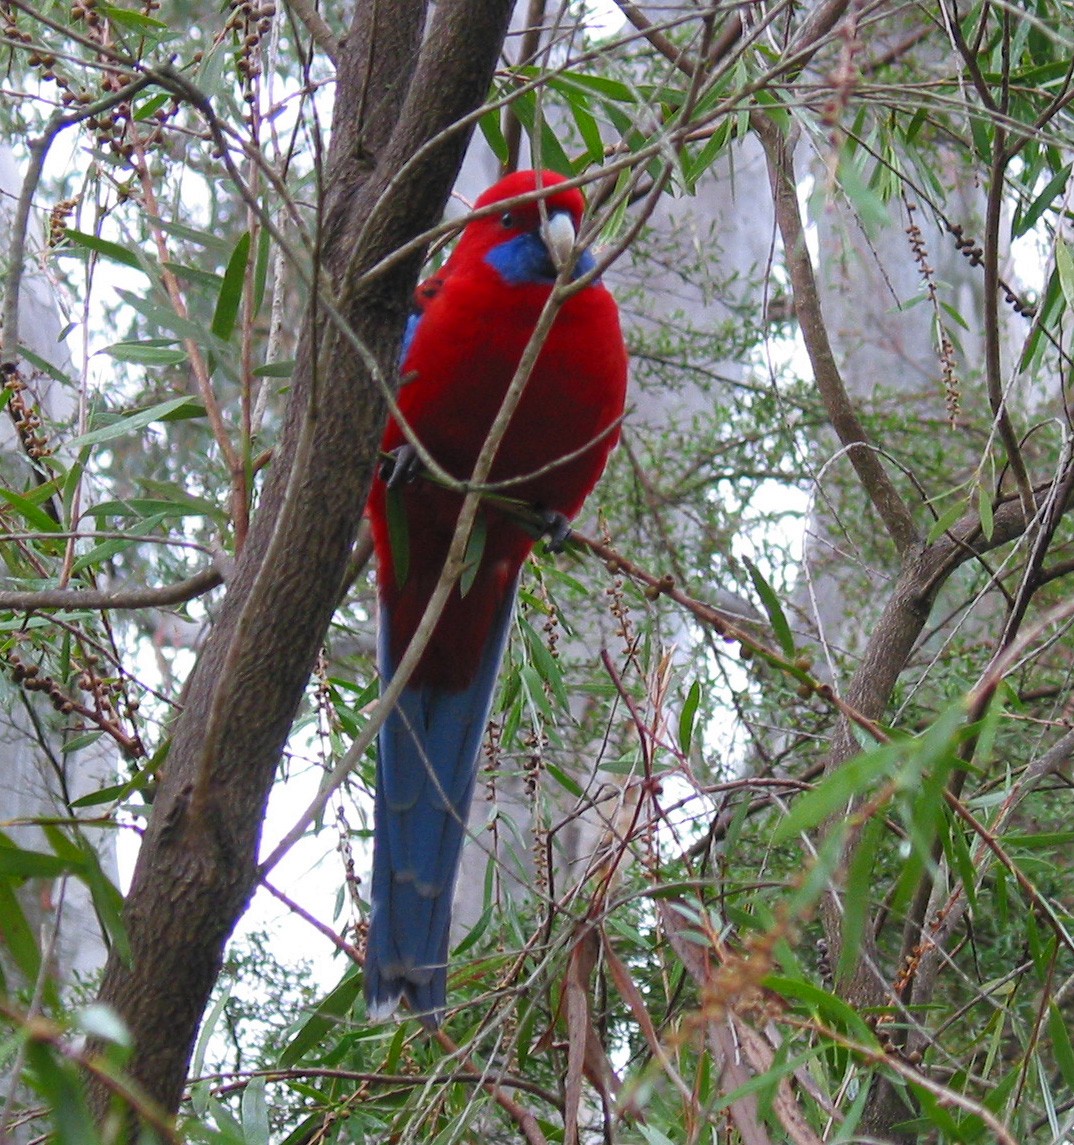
<point x="473" y="322"/>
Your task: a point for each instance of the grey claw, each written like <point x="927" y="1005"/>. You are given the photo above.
<point x="401" y="466"/>
<point x="556" y="529"/>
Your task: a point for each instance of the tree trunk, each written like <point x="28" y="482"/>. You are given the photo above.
<point x="395" y="152"/>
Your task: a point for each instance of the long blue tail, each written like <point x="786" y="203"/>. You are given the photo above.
<point x="426" y="767"/>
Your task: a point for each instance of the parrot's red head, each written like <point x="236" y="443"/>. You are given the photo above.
<point x="527" y="242"/>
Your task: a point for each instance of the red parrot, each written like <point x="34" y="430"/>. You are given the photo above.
<point x="472" y="323"/>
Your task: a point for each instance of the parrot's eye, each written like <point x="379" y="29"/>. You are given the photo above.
<point x="507" y="220"/>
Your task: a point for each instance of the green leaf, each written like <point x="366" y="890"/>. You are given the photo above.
<point x="857" y="899"/>
<point x="944" y="522"/>
<point x="1049" y="311"/>
<point x="200" y="1098"/>
<point x="282" y="369"/>
<point x="210" y="240"/>
<point x="778" y="620"/>
<point x="325" y="1020"/>
<point x="588" y="128"/>
<point x="834" y="792"/>
<point x="261" y="267"/>
<point x="146" y="108"/>
<point x="1064" y="264"/>
<point x="120" y="791"/>
<point x="1041" y="203"/>
<point x="127" y="17"/>
<point x="255" y="1118"/>
<point x="173" y="502"/>
<point x="20" y="864"/>
<point x="230" y="297"/>
<point x="1061" y="1047"/>
<point x="101" y="1021"/>
<point x="16" y="934"/>
<point x="64" y="1096"/>
<point x="76" y="743"/>
<point x="110" y="250"/>
<point x="155" y="352"/>
<point x="870" y="207"/>
<point x="493" y="133"/>
<point x="32" y="514"/>
<point x="984" y="509"/>
<point x="687" y="716"/>
<point x="571" y="786"/>
<point x="547" y="146"/>
<point x="475" y="550"/>
<point x="107" y="902"/>
<point x="860" y="773"/>
<point x="398" y="533"/>
<point x="106" y="550"/>
<point x="544" y="662"/>
<point x="134" y="421"/>
<point x="533" y="688"/>
<point x="827" y="1006"/>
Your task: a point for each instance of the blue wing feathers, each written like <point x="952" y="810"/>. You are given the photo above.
<point x="426" y="769"/>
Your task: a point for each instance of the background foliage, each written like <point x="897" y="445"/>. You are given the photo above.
<point x="775" y="843"/>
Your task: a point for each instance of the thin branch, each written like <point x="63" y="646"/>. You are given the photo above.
<point x="314" y="23"/>
<point x="893" y="511"/>
<point x="991" y="323"/>
<point x="118" y="598"/>
<point x="672" y="52"/>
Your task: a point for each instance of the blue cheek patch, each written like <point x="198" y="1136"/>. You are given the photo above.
<point x="525" y="258"/>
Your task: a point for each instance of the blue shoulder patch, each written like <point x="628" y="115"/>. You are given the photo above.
<point x="408" y="335"/>
<point x="525" y="258"/>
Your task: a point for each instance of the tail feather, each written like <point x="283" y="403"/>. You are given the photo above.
<point x="426" y="768"/>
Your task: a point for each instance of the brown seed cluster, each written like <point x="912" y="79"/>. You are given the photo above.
<point x="24" y="415"/>
<point x="102" y="692"/>
<point x="251" y="22"/>
<point x="946" y="350"/>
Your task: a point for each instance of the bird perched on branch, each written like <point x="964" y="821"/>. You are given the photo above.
<point x="472" y="325"/>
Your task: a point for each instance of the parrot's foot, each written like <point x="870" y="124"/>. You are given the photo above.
<point x="401" y="466"/>
<point x="555" y="528"/>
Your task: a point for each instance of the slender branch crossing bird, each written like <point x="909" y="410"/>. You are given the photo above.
<point x="473" y="322"/>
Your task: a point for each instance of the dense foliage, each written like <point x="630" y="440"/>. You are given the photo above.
<point x="773" y="835"/>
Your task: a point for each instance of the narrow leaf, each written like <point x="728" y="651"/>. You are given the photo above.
<point x="32" y="514"/>
<point x="858" y="897"/>
<point x="152" y="353"/>
<point x="227" y="302"/>
<point x="1042" y="202"/>
<point x="398" y="534"/>
<point x="493" y="133"/>
<point x="984" y="509"/>
<point x="1061" y="1047"/>
<point x="776" y="616"/>
<point x="132" y="422"/>
<point x="945" y="521"/>
<point x="313" y="1030"/>
<point x="475" y="550"/>
<point x="1064" y="264"/>
<point x="687" y="717"/>
<point x="107" y="249"/>
<point x="255" y="1119"/>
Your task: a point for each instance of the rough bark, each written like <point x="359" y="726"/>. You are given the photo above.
<point x="394" y="157"/>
